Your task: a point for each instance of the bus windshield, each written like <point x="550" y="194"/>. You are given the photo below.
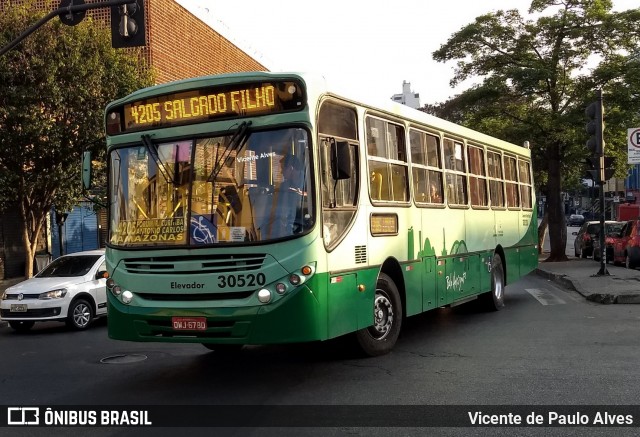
<point x="211" y="191"/>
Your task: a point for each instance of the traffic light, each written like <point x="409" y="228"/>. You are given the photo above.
<point x="595" y="126"/>
<point x="127" y="25"/>
<point x="609" y="167"/>
<point x="71" y="18"/>
<point x="592" y="169"/>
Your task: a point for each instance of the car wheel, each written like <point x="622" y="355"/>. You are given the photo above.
<point x="80" y="314"/>
<point x="595" y="255"/>
<point x="223" y="348"/>
<point x="380" y="338"/>
<point x="21" y="325"/>
<point x="494" y="299"/>
<point x="627" y="262"/>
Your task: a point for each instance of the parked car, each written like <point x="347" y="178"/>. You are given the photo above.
<point x="576" y="220"/>
<point x="583" y="244"/>
<point x="626" y="248"/>
<point x="70" y="289"/>
<point x="612" y="232"/>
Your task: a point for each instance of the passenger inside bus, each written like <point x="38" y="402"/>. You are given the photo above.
<point x="436" y="196"/>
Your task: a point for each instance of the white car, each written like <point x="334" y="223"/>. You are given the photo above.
<point x="71" y="289"/>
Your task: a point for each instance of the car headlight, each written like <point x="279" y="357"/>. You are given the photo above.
<point x="53" y="294"/>
<point x="4" y="295"/>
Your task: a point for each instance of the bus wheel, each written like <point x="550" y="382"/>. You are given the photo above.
<point x="223" y="348"/>
<point x="494" y="299"/>
<point x="380" y="338"/>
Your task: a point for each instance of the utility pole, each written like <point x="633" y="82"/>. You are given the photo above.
<point x="595" y="144"/>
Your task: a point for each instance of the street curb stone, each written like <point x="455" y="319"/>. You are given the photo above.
<point x="560" y="279"/>
<point x="603" y="298"/>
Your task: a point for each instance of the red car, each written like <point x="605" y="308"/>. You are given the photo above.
<point x="583" y="244"/>
<point x="626" y="247"/>
<point x="612" y="233"/>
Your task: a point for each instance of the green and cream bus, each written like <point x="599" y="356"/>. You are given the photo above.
<point x="262" y="208"/>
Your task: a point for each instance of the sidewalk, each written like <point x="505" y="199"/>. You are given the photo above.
<point x="620" y="286"/>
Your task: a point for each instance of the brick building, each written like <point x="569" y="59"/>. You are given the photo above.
<point x="179" y="46"/>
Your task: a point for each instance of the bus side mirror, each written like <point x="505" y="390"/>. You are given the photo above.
<point x="86" y="170"/>
<point x="340" y="160"/>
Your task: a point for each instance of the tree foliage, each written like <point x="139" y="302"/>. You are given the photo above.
<point x="537" y="77"/>
<point x="54" y="87"/>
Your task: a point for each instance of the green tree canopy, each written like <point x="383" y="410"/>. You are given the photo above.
<point x="537" y="77"/>
<point x="54" y="87"/>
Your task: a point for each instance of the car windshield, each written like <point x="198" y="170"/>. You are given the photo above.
<point x="593" y="228"/>
<point x="614" y="228"/>
<point x="68" y="266"/>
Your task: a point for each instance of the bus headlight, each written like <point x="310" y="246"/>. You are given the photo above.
<point x="294" y="279"/>
<point x="264" y="296"/>
<point x="280" y="288"/>
<point x="127" y="297"/>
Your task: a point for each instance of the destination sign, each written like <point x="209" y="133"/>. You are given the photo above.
<point x="207" y="104"/>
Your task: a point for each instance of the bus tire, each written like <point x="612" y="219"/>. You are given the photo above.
<point x="379" y="338"/>
<point x="223" y="348"/>
<point x="493" y="300"/>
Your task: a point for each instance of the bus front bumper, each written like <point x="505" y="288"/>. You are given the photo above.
<point x="295" y="318"/>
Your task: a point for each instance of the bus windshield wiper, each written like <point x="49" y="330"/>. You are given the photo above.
<point x="152" y="148"/>
<point x="239" y="137"/>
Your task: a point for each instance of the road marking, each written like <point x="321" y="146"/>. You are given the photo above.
<point x="545" y="297"/>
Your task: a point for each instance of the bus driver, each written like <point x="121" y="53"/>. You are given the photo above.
<point x="292" y="175"/>
<point x="289" y="198"/>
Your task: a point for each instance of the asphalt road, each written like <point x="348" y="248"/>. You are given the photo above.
<point x="548" y="346"/>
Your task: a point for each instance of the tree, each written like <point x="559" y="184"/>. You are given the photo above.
<point x="53" y="90"/>
<point x="537" y="77"/>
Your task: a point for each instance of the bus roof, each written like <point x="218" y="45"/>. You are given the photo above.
<point x="318" y="86"/>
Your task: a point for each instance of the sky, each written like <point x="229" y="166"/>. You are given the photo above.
<point x="373" y="46"/>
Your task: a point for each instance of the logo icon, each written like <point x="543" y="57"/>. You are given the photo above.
<point x="23" y="415"/>
<point x="20" y="296"/>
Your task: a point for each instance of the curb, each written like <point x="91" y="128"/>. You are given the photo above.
<point x="560" y="279"/>
<point x="603" y="298"/>
<point x="611" y="298"/>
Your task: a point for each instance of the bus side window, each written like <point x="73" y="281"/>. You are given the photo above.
<point x="399" y="181"/>
<point x="376" y="185"/>
<point x="420" y="187"/>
